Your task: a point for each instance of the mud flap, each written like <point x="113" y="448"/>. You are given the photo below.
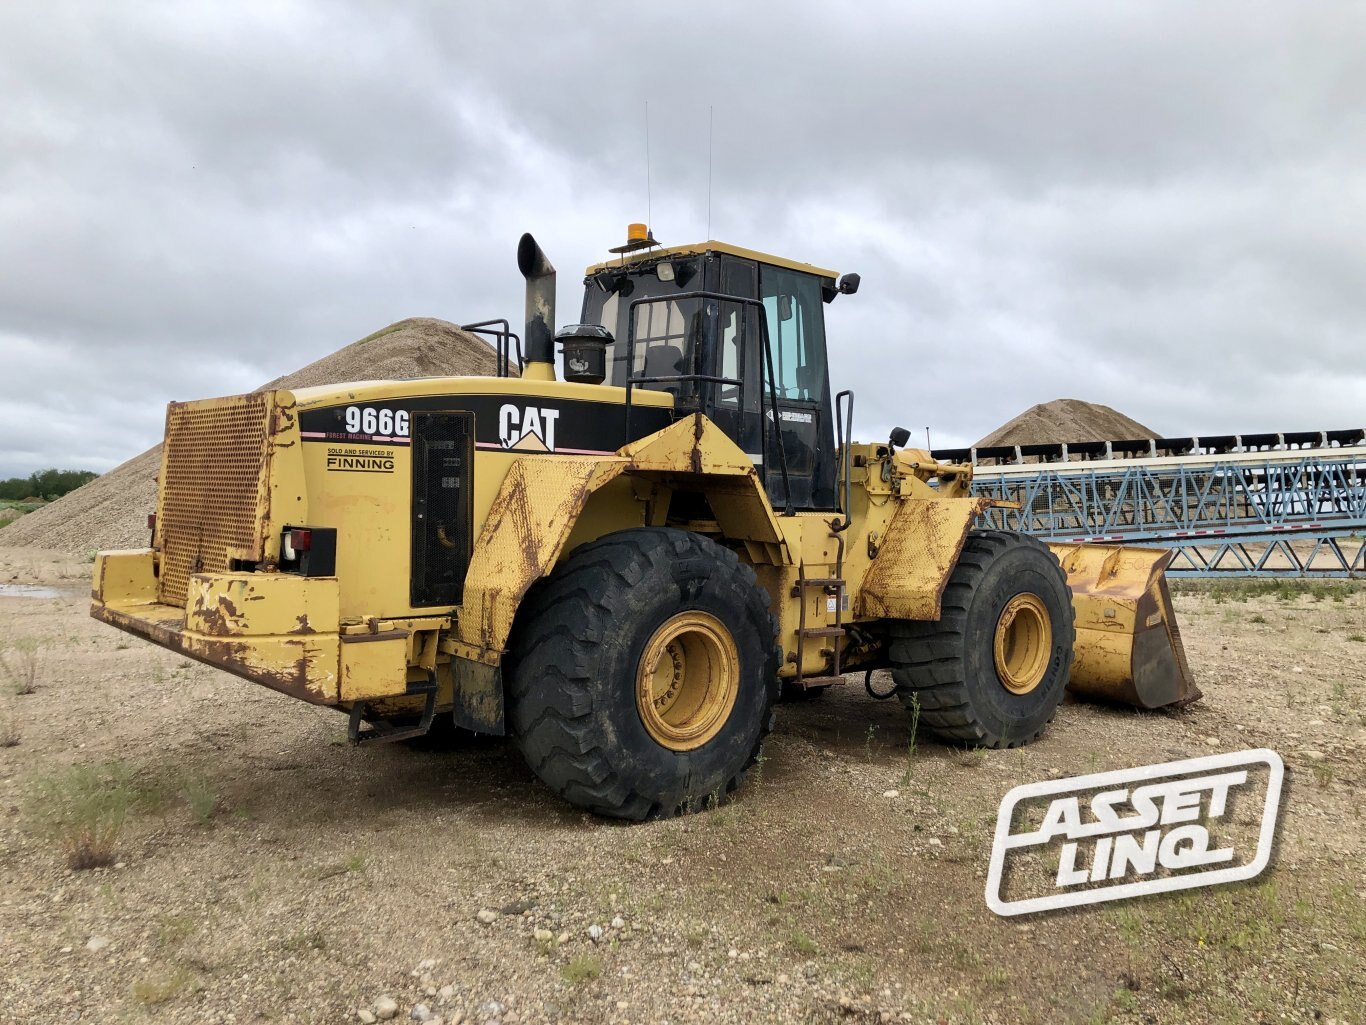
<point x="478" y="694"/>
<point x="1128" y="647"/>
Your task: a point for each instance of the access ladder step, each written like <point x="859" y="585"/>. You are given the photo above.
<point x="363" y="730"/>
<point x="835" y="585"/>
<point x="808" y="682"/>
<point x="823" y="631"/>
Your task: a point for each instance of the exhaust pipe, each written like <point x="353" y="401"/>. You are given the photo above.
<point x="540" y="310"/>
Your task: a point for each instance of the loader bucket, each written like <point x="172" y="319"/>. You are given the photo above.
<point x="1128" y="646"/>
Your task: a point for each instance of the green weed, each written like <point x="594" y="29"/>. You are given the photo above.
<point x="910" y="742"/>
<point x="158" y="989"/>
<point x="582" y="969"/>
<point x="19" y="664"/>
<point x="9" y="726"/>
<point x="84" y="808"/>
<point x="803" y="944"/>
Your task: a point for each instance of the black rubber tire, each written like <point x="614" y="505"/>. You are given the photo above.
<point x="571" y="669"/>
<point x="948" y="668"/>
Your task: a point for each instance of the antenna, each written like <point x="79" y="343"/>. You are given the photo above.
<point x="649" y="213"/>
<point x="928" y="446"/>
<point x="710" y="119"/>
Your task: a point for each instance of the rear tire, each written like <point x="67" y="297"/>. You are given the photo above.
<point x="992" y="671"/>
<point x="642" y="674"/>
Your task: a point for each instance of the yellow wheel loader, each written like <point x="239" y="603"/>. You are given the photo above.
<point x="623" y="569"/>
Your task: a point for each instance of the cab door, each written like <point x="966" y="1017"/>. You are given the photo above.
<point x="795" y="319"/>
<point x="801" y="432"/>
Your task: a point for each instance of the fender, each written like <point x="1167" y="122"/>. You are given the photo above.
<point x="536" y="509"/>
<point x="920" y="549"/>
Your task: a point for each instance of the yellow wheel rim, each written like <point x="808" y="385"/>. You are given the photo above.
<point x="1024" y="643"/>
<point x="687" y="681"/>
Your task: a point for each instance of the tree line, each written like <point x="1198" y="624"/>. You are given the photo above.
<point x="45" y="484"/>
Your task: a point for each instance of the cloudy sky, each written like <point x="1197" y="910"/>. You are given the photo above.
<point x="1158" y="206"/>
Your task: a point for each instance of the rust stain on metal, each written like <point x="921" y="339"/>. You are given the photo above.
<point x="217" y="617"/>
<point x="523" y="533"/>
<point x="230" y="655"/>
<point x="303" y="627"/>
<point x="97" y="585"/>
<point x="919" y="551"/>
<point x="697" y="443"/>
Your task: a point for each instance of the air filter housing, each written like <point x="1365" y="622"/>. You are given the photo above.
<point x="585" y="352"/>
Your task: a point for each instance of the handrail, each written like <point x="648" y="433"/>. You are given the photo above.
<point x="845" y="430"/>
<point x="503" y="336"/>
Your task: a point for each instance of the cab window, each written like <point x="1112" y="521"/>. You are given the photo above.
<point x="795" y="330"/>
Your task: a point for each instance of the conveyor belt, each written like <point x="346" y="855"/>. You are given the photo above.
<point x="1245" y="505"/>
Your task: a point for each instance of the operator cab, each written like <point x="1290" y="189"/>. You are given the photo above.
<point x="736" y="335"/>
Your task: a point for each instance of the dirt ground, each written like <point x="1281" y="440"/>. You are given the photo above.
<point x="268" y="872"/>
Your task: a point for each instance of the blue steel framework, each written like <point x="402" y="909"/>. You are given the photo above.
<point x="1227" y="510"/>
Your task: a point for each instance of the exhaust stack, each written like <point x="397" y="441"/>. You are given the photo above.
<point x="540" y="310"/>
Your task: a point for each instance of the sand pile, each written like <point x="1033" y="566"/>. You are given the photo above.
<point x="111" y="511"/>
<point x="1065" y="420"/>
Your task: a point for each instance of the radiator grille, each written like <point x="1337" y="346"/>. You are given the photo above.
<point x="213" y="473"/>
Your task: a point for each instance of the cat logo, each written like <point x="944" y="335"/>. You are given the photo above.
<point x="527" y="428"/>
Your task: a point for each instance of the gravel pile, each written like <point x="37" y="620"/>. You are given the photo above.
<point x="111" y="511"/>
<point x="1064" y="420"/>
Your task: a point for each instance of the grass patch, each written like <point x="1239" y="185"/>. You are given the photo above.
<point x="968" y="757"/>
<point x="199" y="795"/>
<point x="9" y="726"/>
<point x="19" y="664"/>
<point x="1243" y="921"/>
<point x="174" y="930"/>
<point x="996" y="978"/>
<point x="1359" y="638"/>
<point x="155" y="990"/>
<point x="1281" y="588"/>
<point x="83" y="808"/>
<point x="581" y="969"/>
<point x="803" y="944"/>
<point x="722" y="816"/>
<point x="354" y="863"/>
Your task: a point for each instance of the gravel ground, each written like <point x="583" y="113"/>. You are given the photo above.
<point x="1066" y="420"/>
<point x="267" y="872"/>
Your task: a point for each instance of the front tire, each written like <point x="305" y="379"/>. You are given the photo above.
<point x="642" y="674"/>
<point x="992" y="671"/>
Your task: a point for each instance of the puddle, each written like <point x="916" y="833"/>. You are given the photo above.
<point x="28" y="591"/>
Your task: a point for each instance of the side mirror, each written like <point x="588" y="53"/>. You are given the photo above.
<point x="899" y="435"/>
<point x="849" y="284"/>
<point x="784" y="307"/>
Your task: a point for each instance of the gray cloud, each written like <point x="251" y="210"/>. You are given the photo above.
<point x="1153" y="206"/>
